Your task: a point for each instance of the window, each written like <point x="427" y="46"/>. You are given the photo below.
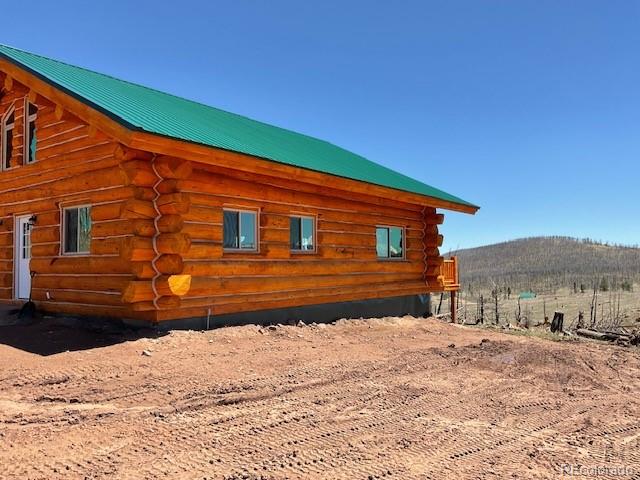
<point x="8" y="122"/>
<point x="240" y="230"/>
<point x="390" y="242"/>
<point x="77" y="230"/>
<point x="30" y="141"/>
<point x="26" y="240"/>
<point x="302" y="232"/>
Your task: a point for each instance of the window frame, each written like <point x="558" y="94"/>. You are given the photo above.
<point x="25" y="135"/>
<point x="389" y="258"/>
<point x="240" y="210"/>
<point x="63" y="230"/>
<point x="314" y="219"/>
<point x="3" y="137"/>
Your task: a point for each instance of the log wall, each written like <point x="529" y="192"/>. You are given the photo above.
<point x="344" y="267"/>
<point x="75" y="165"/>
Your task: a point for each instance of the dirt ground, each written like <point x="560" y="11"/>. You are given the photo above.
<point x="364" y="399"/>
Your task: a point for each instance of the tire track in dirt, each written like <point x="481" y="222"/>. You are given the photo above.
<point x="352" y="401"/>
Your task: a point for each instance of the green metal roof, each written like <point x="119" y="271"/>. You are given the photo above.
<point x="141" y="108"/>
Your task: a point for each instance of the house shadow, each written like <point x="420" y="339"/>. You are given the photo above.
<point x="51" y="335"/>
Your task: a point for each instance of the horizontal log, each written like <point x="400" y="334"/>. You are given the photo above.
<point x="304" y="265"/>
<point x="144" y="193"/>
<point x="170" y="223"/>
<point x="205" y="182"/>
<point x="137" y="249"/>
<point x="82" y="309"/>
<point x="176" y="243"/>
<point x="45" y="234"/>
<point x="166" y="285"/>
<point x="172" y="167"/>
<point x="71" y="135"/>
<point x="93" y="197"/>
<point x="143" y="227"/>
<point x="203" y="231"/>
<point x="203" y="286"/>
<point x="172" y="302"/>
<point x="166" y="264"/>
<point x="79" y="265"/>
<point x="111" y="228"/>
<point x="108" y="211"/>
<point x="72" y="296"/>
<point x="142" y="270"/>
<point x="6" y="239"/>
<point x="96" y="283"/>
<point x="47" y="219"/>
<point x="134" y="208"/>
<point x="105" y="246"/>
<point x="173" y="203"/>
<point x="170" y="264"/>
<point x="139" y="172"/>
<point x="88" y="181"/>
<point x="167" y="186"/>
<point x="212" y="215"/>
<point x="204" y="251"/>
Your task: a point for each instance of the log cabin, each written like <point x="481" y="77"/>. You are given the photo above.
<point x="122" y="202"/>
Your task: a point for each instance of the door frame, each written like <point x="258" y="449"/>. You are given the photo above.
<point x="16" y="253"/>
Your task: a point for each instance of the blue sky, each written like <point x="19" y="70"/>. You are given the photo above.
<point x="530" y="109"/>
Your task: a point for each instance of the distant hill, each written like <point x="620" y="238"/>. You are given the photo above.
<point x="548" y="263"/>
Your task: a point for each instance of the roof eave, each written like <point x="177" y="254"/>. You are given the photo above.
<point x="135" y="137"/>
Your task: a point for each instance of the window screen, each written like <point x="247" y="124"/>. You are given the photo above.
<point x="302" y="233"/>
<point x="7" y="140"/>
<point x="390" y="242"/>
<point x="240" y="230"/>
<point x="30" y="132"/>
<point x="77" y="230"/>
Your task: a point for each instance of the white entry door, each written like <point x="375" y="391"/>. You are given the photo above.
<point x="22" y="255"/>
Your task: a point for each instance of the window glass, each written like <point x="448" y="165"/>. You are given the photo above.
<point x="295" y="233"/>
<point x="307" y="233"/>
<point x="230" y="228"/>
<point x="382" y="242"/>
<point x="248" y="230"/>
<point x="77" y="230"/>
<point x="30" y="133"/>
<point x="71" y="230"/>
<point x="240" y="230"/>
<point x="302" y="233"/>
<point x="84" y="229"/>
<point x="395" y="242"/>
<point x="26" y="240"/>
<point x="390" y="242"/>
<point x="7" y="140"/>
<point x="32" y="142"/>
<point x="8" y="147"/>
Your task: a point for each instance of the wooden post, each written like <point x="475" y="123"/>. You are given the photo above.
<point x="453" y="306"/>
